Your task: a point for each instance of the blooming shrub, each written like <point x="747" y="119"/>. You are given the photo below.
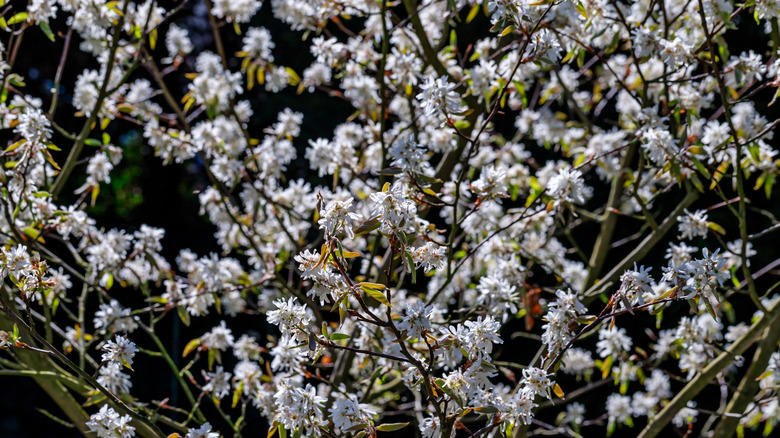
<point x="477" y="205"/>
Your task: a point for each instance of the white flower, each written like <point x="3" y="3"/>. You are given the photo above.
<point x="14" y="261"/>
<point x="34" y="126"/>
<point x="429" y="256"/>
<point x="107" y="423"/>
<point x="557" y="331"/>
<point x="258" y="44"/>
<point x="408" y="155"/>
<point x="115" y="318"/>
<point x="613" y="341"/>
<point x="218" y="382"/>
<point x="522" y="407"/>
<point x="575" y="414"/>
<point x="482" y="334"/>
<point x="544" y="45"/>
<point x="120" y="351"/>
<point x="688" y="414"/>
<point x="239" y="11"/>
<point x="734" y="257"/>
<point x="299" y="408"/>
<point x="220" y="338"/>
<point x="203" y="431"/>
<point x="438" y="96"/>
<point x="693" y="224"/>
<point x="337" y="217"/>
<point x="679" y="254"/>
<point x="675" y="52"/>
<point x="291" y="318"/>
<point x="112" y="377"/>
<point x="567" y="185"/>
<point x="659" y="144"/>
<point x="577" y="361"/>
<point x="619" y="408"/>
<point x="642" y="41"/>
<point x="635" y="283"/>
<point x="538" y="381"/>
<point x="658" y="384"/>
<point x="348" y="412"/>
<point x="177" y="42"/>
<point x="416" y="319"/>
<point x="491" y="184"/>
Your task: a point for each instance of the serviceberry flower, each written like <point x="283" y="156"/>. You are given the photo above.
<point x="337" y="217"/>
<point x="429" y="257"/>
<point x="613" y="341"/>
<point x="568" y="186"/>
<point x="107" y="423"/>
<point x="219" y="338"/>
<point x="204" y="431"/>
<point x="537" y="380"/>
<point x="439" y="97"/>
<point x="417" y="319"/>
<point x="120" y="351"/>
<point x="218" y="382"/>
<point x="291" y="317"/>
<point x="693" y="224"/>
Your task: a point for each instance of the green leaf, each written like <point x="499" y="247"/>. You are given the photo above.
<point x="192" y="345"/>
<point x="213" y="356"/>
<point x="32" y="232"/>
<point x="532" y="197"/>
<point x="237" y="394"/>
<point x="390" y="427"/>
<point x="472" y="13"/>
<point x="184" y="316"/>
<point x="411" y="266"/>
<point x="18" y="18"/>
<point x="375" y="294"/>
<point x="368" y="226"/>
<point x="96" y="399"/>
<point x="44" y="25"/>
<point x="709" y="308"/>
<point x="581" y="9"/>
<point x="376" y="286"/>
<point x="339" y="336"/>
<point x="15" y="145"/>
<point x="715" y="227"/>
<point x="701" y="168"/>
<point x="606" y="366"/>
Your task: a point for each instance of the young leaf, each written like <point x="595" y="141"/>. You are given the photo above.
<point x="390" y="427"/>
<point x="375" y="294"/>
<point x="192" y="345"/>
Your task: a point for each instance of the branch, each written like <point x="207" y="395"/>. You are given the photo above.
<point x="656" y="425"/>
